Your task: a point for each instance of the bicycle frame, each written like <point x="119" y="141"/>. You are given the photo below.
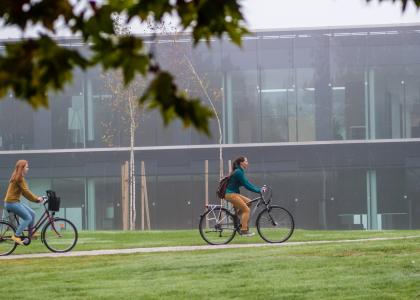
<point x="219" y="223"/>
<point x="258" y="200"/>
<point x="46" y="216"/>
<point x="57" y="234"/>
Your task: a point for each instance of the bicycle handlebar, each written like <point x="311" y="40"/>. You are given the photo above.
<point x="267" y="193"/>
<point x="44" y="200"/>
<point x="266" y="187"/>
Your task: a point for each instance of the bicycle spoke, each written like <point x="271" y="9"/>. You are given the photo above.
<point x="217" y="226"/>
<point x="60" y="235"/>
<point x="7" y="245"/>
<point x="275" y="225"/>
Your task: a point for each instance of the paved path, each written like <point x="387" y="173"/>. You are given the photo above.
<point x="190" y="248"/>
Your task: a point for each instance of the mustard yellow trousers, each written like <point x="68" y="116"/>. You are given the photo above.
<point x="240" y="203"/>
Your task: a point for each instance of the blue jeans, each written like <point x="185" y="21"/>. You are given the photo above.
<point x="26" y="214"/>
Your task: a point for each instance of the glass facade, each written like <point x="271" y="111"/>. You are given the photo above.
<point x="329" y="118"/>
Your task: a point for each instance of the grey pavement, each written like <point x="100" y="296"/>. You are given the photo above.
<point x="190" y="248"/>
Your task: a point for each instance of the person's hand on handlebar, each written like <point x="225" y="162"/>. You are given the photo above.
<point x="42" y="199"/>
<point x="264" y="189"/>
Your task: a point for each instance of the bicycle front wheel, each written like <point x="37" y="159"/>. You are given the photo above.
<point x="59" y="235"/>
<point x="217" y="226"/>
<point x="275" y="224"/>
<point x="7" y="245"/>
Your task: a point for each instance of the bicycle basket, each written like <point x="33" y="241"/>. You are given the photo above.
<point x="53" y="201"/>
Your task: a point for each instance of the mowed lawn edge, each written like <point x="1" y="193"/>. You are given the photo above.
<point x="101" y="240"/>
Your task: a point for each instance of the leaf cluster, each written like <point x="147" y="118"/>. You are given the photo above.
<point x="404" y="3"/>
<point x="190" y="111"/>
<point x="30" y="68"/>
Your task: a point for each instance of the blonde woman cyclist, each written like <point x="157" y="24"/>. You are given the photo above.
<point x="18" y="187"/>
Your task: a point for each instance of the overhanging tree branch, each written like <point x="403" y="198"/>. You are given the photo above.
<point x="44" y="65"/>
<point x="404" y="3"/>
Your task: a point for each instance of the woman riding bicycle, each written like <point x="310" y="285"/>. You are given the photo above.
<point x="18" y="187"/>
<point x="240" y="202"/>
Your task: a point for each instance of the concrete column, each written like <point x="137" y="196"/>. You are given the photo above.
<point x="370" y="117"/>
<point x="372" y="201"/>
<point x="89" y="112"/>
<point x="91" y="207"/>
<point x="229" y="109"/>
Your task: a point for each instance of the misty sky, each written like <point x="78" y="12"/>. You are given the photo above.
<point x="278" y="14"/>
<point x="265" y="14"/>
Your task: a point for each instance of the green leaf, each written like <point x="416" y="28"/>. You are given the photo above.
<point x="162" y="94"/>
<point x="404" y="3"/>
<point x="31" y="68"/>
<point x="155" y="8"/>
<point x="46" y="12"/>
<point x="38" y="66"/>
<point x="125" y="52"/>
<point x="213" y="18"/>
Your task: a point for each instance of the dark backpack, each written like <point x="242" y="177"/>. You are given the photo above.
<point x="221" y="189"/>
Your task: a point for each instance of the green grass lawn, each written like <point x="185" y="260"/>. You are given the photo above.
<point x="95" y="240"/>
<point x="360" y="270"/>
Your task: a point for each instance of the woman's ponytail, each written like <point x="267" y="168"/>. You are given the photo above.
<point x="237" y="162"/>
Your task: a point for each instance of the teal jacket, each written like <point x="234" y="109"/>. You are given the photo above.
<point x="238" y="179"/>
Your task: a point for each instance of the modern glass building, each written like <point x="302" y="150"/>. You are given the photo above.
<point x="329" y="118"/>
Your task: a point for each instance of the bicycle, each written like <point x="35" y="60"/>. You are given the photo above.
<point x="219" y="225"/>
<point x="58" y="234"/>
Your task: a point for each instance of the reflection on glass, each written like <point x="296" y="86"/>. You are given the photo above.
<point x="242" y="107"/>
<point x="277" y="106"/>
<point x="72" y="194"/>
<point x="305" y="104"/>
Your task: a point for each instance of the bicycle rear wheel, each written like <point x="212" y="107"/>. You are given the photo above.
<point x="59" y="235"/>
<point x="7" y="245"/>
<point x="217" y="226"/>
<point x="275" y="225"/>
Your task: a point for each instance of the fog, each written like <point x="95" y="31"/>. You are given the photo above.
<point x="265" y="14"/>
<point x="279" y="14"/>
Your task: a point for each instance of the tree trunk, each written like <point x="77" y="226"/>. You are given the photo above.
<point x="132" y="184"/>
<point x="132" y="169"/>
<point x="215" y="113"/>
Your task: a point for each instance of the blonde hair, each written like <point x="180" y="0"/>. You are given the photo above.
<point x="17" y="174"/>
